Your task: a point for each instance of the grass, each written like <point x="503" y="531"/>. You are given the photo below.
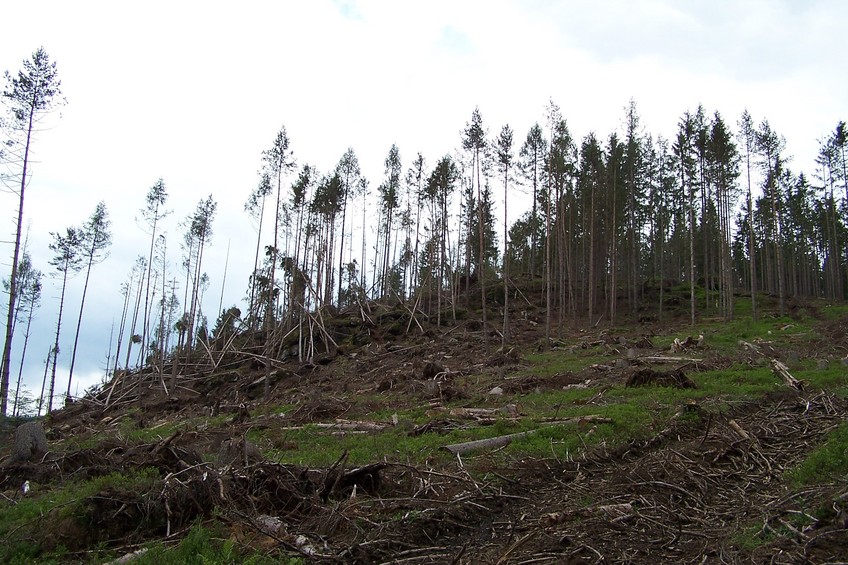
<point x="204" y="546"/>
<point x="825" y="463"/>
<point x="549" y="363"/>
<point x="635" y="411"/>
<point x="45" y="508"/>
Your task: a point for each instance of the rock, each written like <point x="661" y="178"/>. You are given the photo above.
<point x="621" y="363"/>
<point x="270" y="525"/>
<point x="510" y="410"/>
<point x="822" y="364"/>
<point x="497" y="391"/>
<point x="631" y="353"/>
<point x="792" y="357"/>
<point x="29" y="442"/>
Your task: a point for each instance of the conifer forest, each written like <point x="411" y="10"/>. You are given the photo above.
<point x="614" y="220"/>
<point x="536" y="346"/>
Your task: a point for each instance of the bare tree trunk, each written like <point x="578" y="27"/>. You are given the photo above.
<point x="23" y="358"/>
<point x="505" y="337"/>
<point x="56" y="345"/>
<point x="692" y="254"/>
<point x="482" y="266"/>
<point x="252" y="303"/>
<point x="13" y="282"/>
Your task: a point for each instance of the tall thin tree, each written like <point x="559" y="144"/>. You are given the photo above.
<point x="153" y="212"/>
<point x="67" y="260"/>
<point x="29" y="298"/>
<point x="474" y="140"/>
<point x="503" y="148"/>
<point x="31" y="95"/>
<point x="748" y="139"/>
<point x="96" y="238"/>
<point x="280" y="162"/>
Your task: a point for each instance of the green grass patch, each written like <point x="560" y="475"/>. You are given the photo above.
<point x="314" y="447"/>
<point x="550" y="403"/>
<point x="835" y="311"/>
<point x="204" y="546"/>
<point x="547" y="363"/>
<point x="835" y="377"/>
<point x="737" y="381"/>
<point x="825" y="463"/>
<point x="44" y="507"/>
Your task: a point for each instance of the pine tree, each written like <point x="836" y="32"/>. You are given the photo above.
<point x="503" y="149"/>
<point x="683" y="150"/>
<point x="34" y="93"/>
<point x="199" y="234"/>
<point x="349" y="173"/>
<point x="590" y="184"/>
<point x="440" y="185"/>
<point x="415" y="178"/>
<point x="255" y="206"/>
<point x="770" y="146"/>
<point x="474" y="140"/>
<point x="724" y="170"/>
<point x="634" y="187"/>
<point x="280" y="162"/>
<point x="96" y="238"/>
<point x="67" y="259"/>
<point x="152" y="213"/>
<point x="748" y="139"/>
<point x="390" y="198"/>
<point x="532" y="158"/>
<point x="29" y="298"/>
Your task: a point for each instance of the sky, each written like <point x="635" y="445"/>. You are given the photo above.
<point x="193" y="92"/>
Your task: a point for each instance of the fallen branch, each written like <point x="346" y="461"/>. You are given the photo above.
<point x="738" y="429"/>
<point x="782" y="371"/>
<point x="664" y="359"/>
<point x="346" y="425"/>
<point x="749" y="346"/>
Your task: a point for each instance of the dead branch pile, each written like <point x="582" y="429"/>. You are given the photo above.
<point x="677" y="496"/>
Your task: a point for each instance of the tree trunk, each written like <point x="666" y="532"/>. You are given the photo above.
<point x="13" y="287"/>
<point x="56" y="344"/>
<point x="91" y="253"/>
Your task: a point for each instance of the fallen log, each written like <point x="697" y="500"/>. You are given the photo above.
<point x="665" y="359"/>
<point x="782" y="371"/>
<point x="343" y="425"/>
<point x="501" y="441"/>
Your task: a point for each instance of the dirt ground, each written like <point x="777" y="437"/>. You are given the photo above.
<point x="695" y="492"/>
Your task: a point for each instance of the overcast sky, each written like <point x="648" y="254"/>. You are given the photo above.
<point x="193" y="92"/>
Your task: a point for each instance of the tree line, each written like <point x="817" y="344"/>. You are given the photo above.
<point x="613" y="222"/>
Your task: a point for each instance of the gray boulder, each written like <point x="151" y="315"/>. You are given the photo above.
<point x="29" y="442"/>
